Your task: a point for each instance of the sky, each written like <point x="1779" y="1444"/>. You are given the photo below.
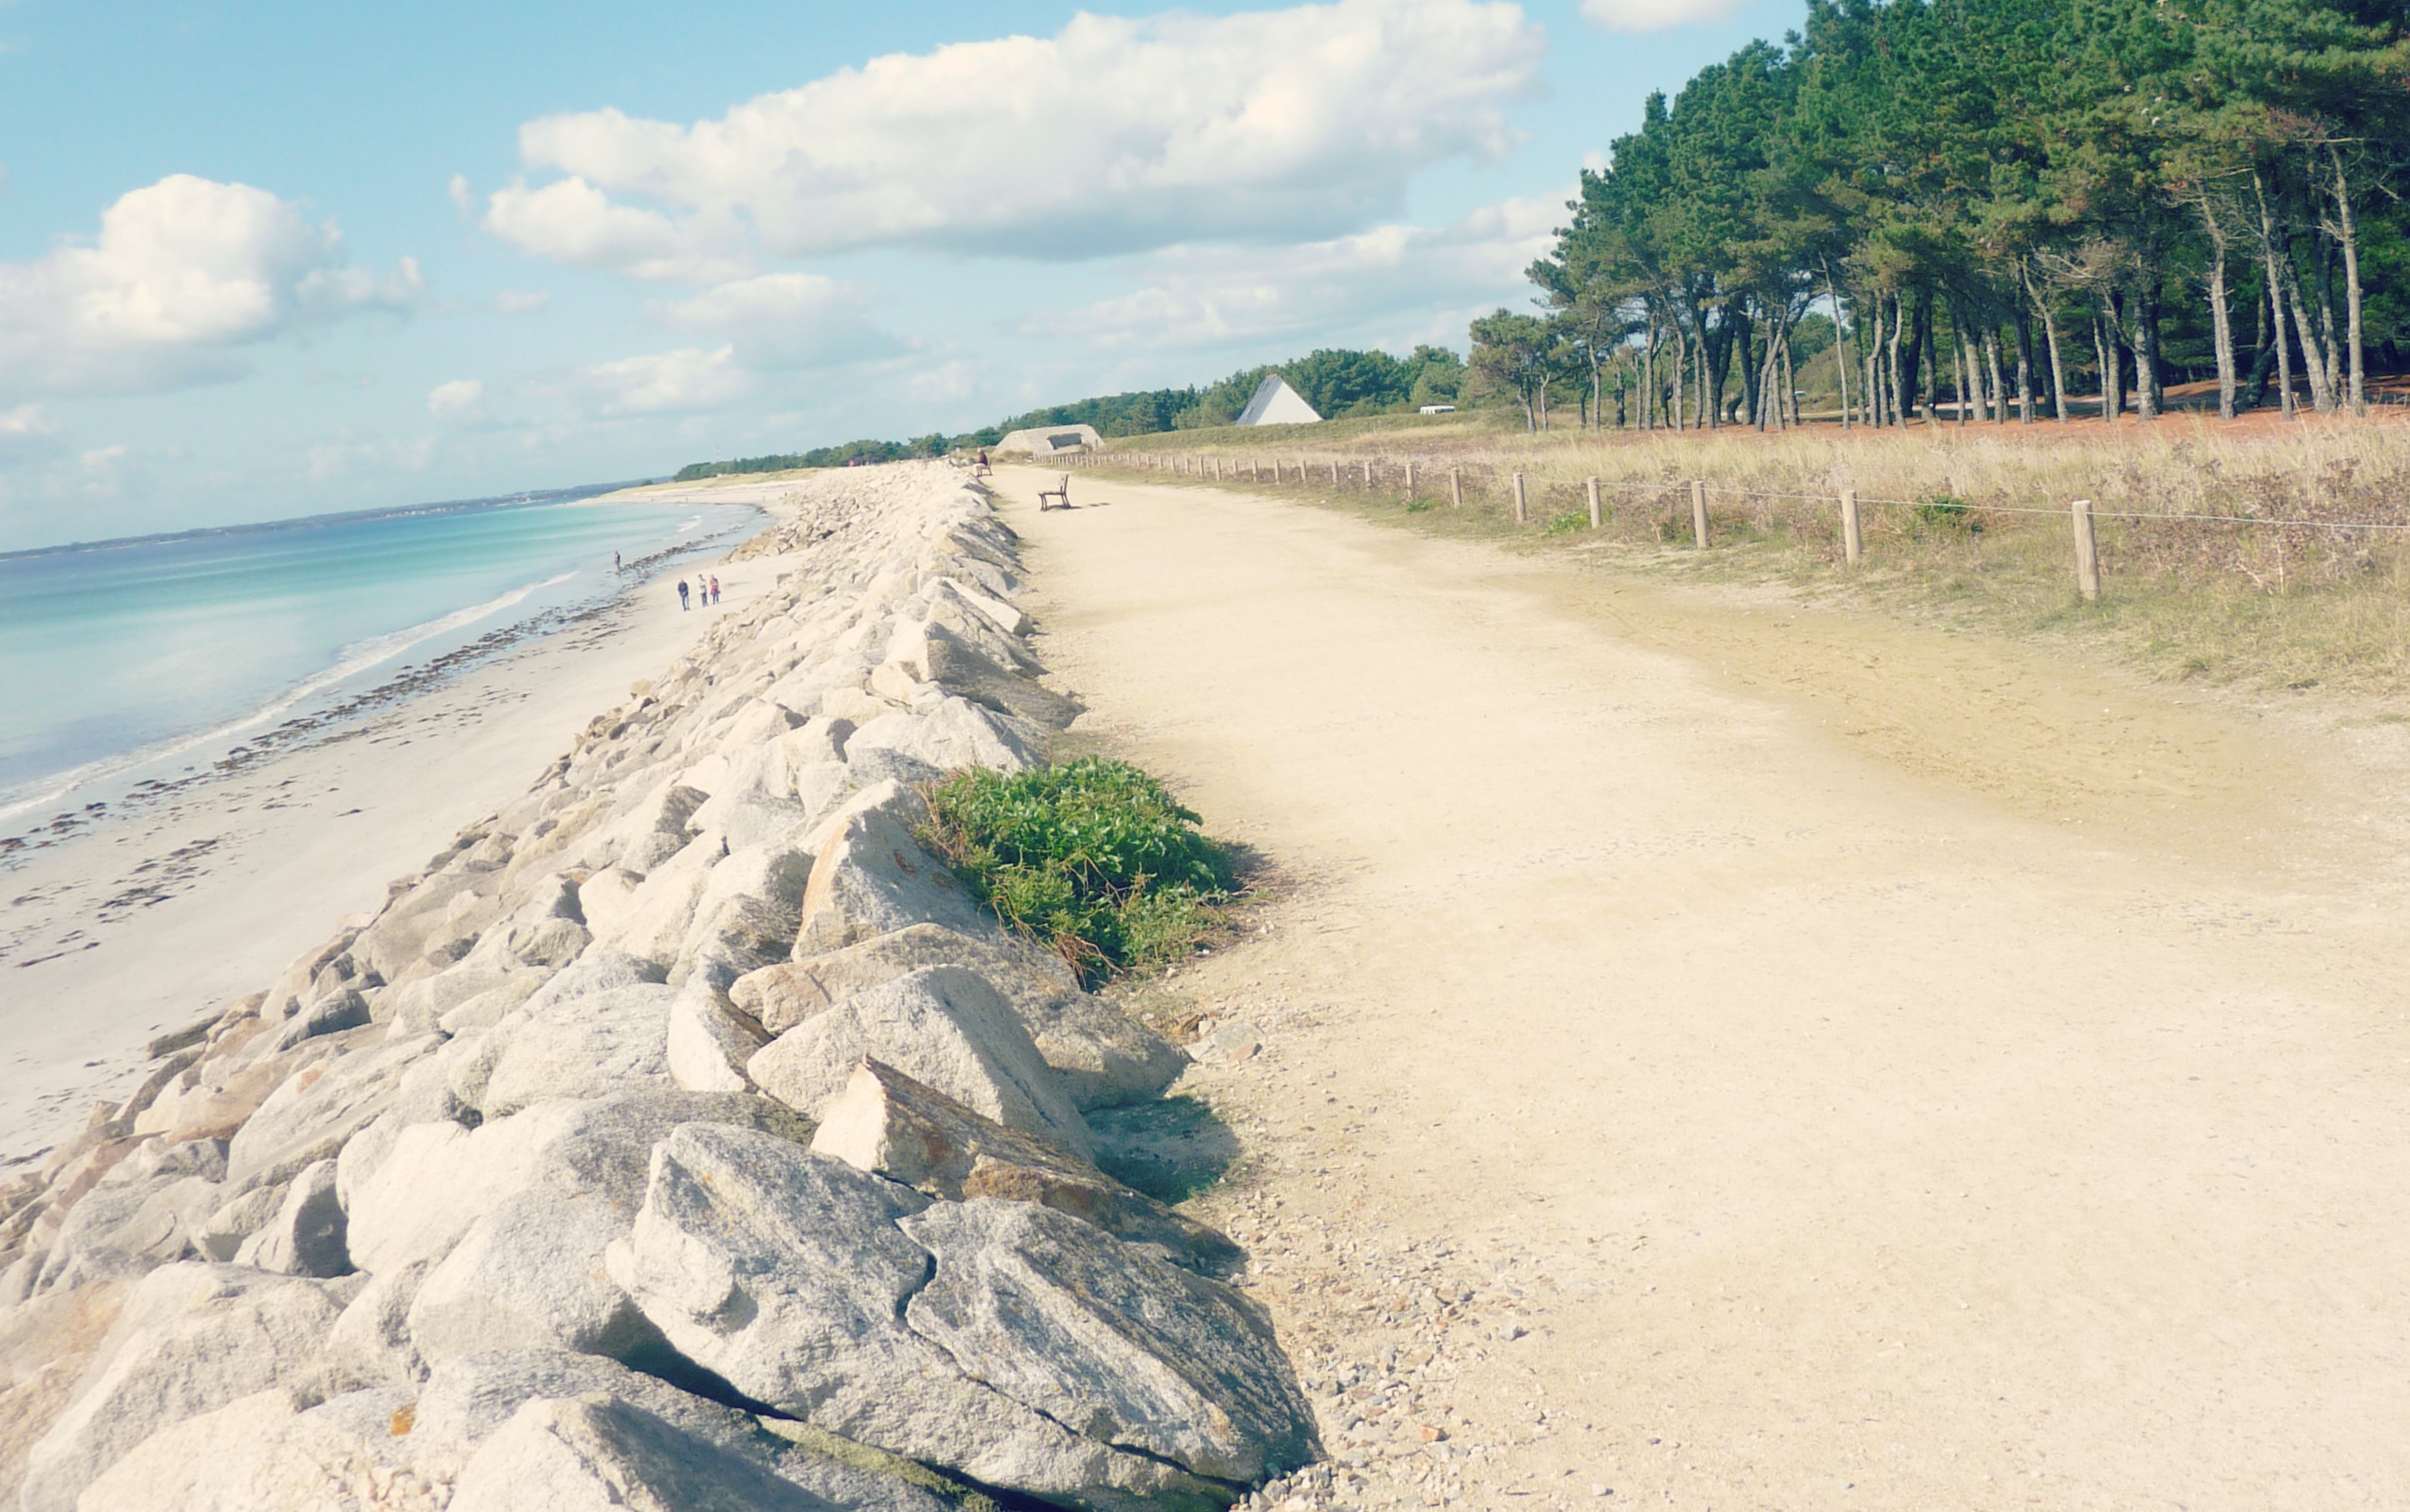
<point x="268" y="260"/>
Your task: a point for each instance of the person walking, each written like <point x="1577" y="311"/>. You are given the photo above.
<point x="716" y="588"/>
<point x="682" y="593"/>
<point x="615" y="563"/>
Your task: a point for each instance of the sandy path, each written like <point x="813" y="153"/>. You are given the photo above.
<point x="1864" y="1119"/>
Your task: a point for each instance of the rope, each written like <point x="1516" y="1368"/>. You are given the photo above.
<point x="1682" y="485"/>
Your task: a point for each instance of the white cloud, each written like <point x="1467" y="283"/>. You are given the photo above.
<point x="945" y="383"/>
<point x="571" y="221"/>
<point x="520" y="301"/>
<point x="665" y="382"/>
<point x="340" y="457"/>
<point x="1656" y="15"/>
<point x="1423" y="276"/>
<point x="783" y="320"/>
<point x="1114" y="134"/>
<point x="26" y="432"/>
<point x="184" y="272"/>
<point x="460" y="403"/>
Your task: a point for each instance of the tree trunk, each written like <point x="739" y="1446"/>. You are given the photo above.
<point x="1706" y="416"/>
<point x="1874" y="363"/>
<point x="2313" y="361"/>
<point x="2111" y="401"/>
<point x="1841" y="363"/>
<point x="1682" y="357"/>
<point x="2351" y="280"/>
<point x="2221" y="320"/>
<point x="1744" y="353"/>
<point x="1957" y="367"/>
<point x="1648" y="378"/>
<point x="1999" y="393"/>
<point x="2273" y="261"/>
<point x="2262" y="359"/>
<point x="2149" y="357"/>
<point x="1922" y="377"/>
<point x="1899" y="363"/>
<point x="2025" y="368"/>
<point x="1791" y="378"/>
<point x="2050" y="331"/>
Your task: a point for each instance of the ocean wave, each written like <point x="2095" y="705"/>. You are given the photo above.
<point x="350" y="662"/>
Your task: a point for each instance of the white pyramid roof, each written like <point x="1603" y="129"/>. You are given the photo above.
<point x="1276" y="403"/>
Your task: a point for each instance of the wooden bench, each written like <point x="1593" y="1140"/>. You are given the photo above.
<point x="1061" y="490"/>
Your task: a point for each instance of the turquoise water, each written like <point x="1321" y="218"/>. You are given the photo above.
<point x="138" y="659"/>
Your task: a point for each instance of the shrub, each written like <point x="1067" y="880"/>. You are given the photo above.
<point x="1567" y="523"/>
<point x="1091" y="858"/>
<point x="1947" y="511"/>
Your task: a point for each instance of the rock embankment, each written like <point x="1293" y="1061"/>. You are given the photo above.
<point x="682" y="1138"/>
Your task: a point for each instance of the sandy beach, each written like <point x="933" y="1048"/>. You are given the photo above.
<point x="151" y="920"/>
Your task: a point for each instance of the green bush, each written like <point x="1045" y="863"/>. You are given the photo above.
<point x="1567" y="523"/>
<point x="1949" y="512"/>
<point x="1092" y="859"/>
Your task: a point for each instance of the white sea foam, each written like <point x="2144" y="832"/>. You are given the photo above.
<point x="350" y="662"/>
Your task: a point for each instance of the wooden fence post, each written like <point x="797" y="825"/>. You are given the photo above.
<point x="1334" y="474"/>
<point x="1851" y="546"/>
<point x="1522" y="515"/>
<point x="1410" y="482"/>
<point x="1699" y="512"/>
<point x="1455" y="488"/>
<point x="2087" y="551"/>
<point x="1598" y="519"/>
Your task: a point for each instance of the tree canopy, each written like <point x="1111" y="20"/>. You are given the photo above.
<point x="1994" y="203"/>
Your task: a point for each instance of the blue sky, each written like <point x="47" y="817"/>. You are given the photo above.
<point x="265" y="260"/>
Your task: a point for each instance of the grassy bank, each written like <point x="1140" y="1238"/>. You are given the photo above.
<point x="1967" y="523"/>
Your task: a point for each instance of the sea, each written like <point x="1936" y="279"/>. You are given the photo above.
<point x="131" y="667"/>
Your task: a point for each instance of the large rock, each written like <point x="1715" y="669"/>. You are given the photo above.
<point x="469" y="1397"/>
<point x="891" y="1125"/>
<point x="594" y="1453"/>
<point x="441" y="1177"/>
<point x="710" y="1040"/>
<point x="786" y="1274"/>
<point x="1079" y="1326"/>
<point x="529" y="1275"/>
<point x="649" y="918"/>
<point x="265" y="1453"/>
<point x="305" y="1237"/>
<point x="192" y="1338"/>
<point x="949" y="734"/>
<point x="941" y="1025"/>
<point x="1106" y="1058"/>
<point x="870" y="875"/>
<point x="126" y="1227"/>
<point x="316" y="1111"/>
<point x="576" y="1046"/>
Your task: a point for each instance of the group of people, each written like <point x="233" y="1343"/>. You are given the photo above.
<point x="708" y="587"/>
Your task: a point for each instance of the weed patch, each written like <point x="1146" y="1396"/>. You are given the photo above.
<point x="1092" y="859"/>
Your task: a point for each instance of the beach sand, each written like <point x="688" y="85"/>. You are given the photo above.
<point x="152" y="919"/>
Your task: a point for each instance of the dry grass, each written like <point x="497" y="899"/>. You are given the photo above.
<point x="2257" y="605"/>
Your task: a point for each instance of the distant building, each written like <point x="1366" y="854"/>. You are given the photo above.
<point x="1052" y="441"/>
<point x="1276" y="403"/>
<point x="1436" y="410"/>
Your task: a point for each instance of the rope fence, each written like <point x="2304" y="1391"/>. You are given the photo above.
<point x="1417" y="482"/>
